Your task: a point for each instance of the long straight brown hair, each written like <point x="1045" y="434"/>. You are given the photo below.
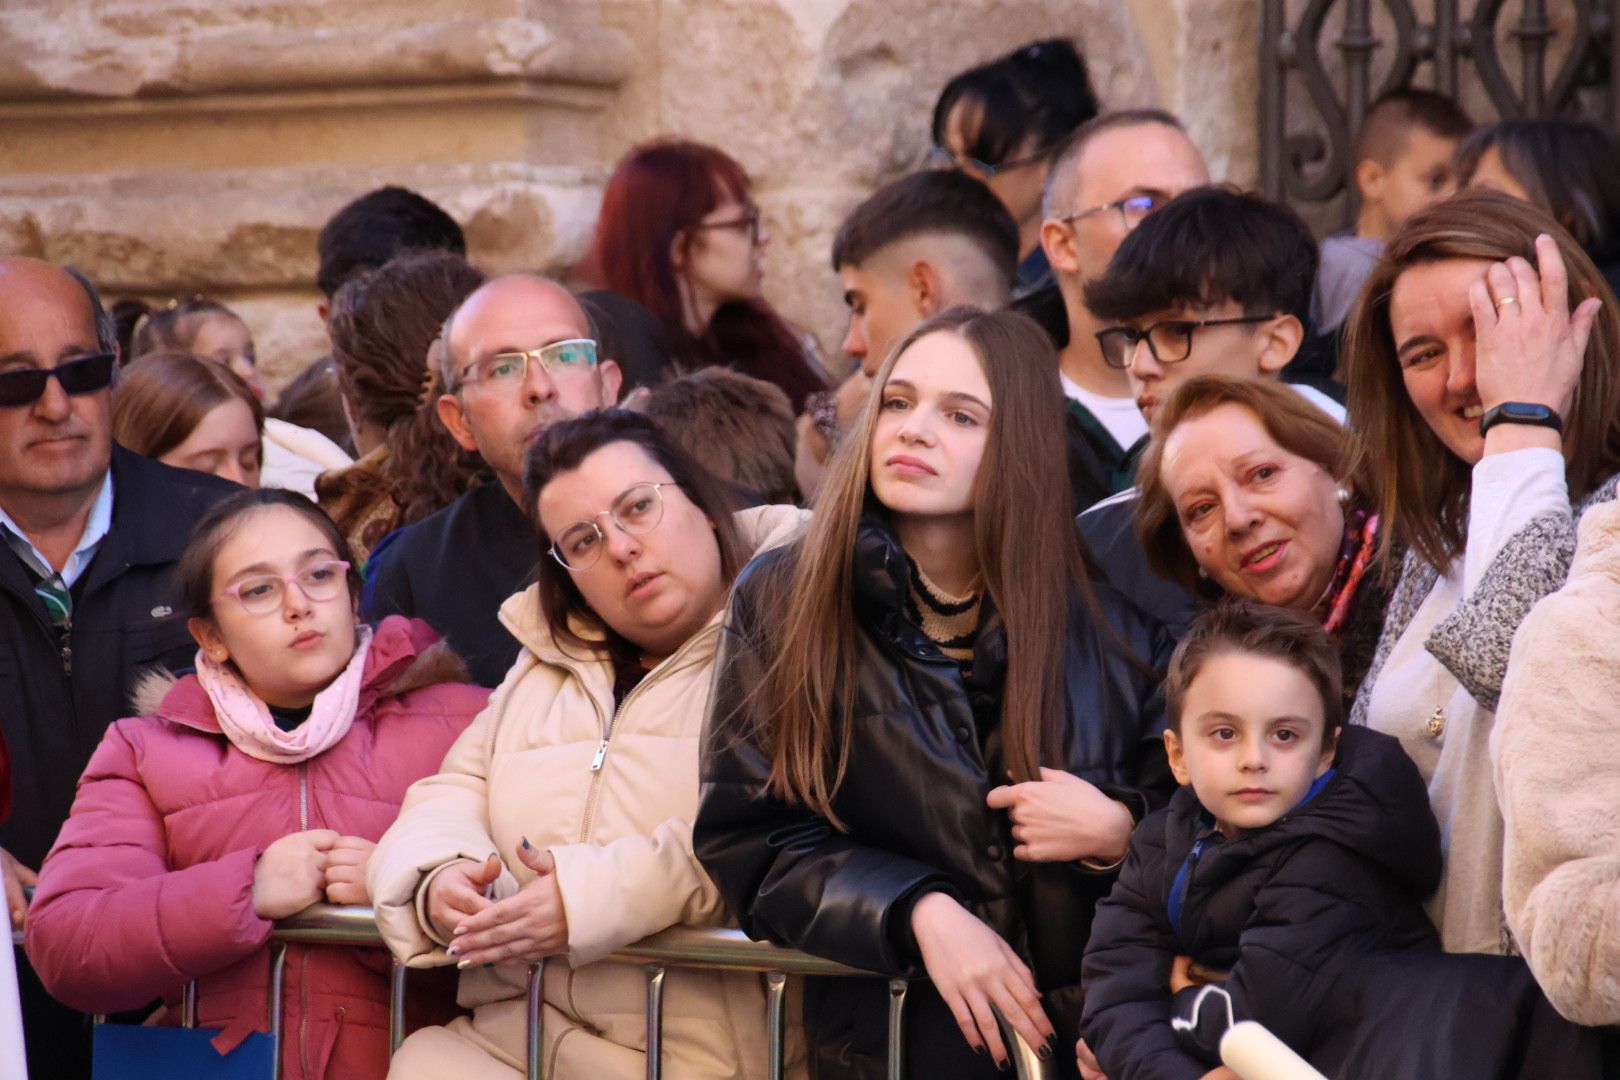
<point x="1419" y="487"/>
<point x="1027" y="545"/>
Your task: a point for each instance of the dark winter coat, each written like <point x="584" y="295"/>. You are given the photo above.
<point x="1318" y="921"/>
<point x="453" y="570"/>
<point x="925" y="752"/>
<point x="56" y="701"/>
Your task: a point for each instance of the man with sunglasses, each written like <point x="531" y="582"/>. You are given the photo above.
<point x="1215" y="282"/>
<point x="89" y="535"/>
<point x="517" y="356"/>
<point x="1113" y="172"/>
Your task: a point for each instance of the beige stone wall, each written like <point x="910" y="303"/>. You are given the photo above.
<point x="172" y="146"/>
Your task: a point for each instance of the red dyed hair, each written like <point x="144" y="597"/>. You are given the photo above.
<point x="658" y="192"/>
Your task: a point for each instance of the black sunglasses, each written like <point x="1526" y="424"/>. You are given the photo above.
<point x="86" y="375"/>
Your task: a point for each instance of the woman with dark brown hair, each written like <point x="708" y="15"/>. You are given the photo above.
<point x="931" y="735"/>
<point x="1246" y="490"/>
<point x="381" y="325"/>
<point x="582" y="778"/>
<point x="1485" y="406"/>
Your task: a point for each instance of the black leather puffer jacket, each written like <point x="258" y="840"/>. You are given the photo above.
<point x="926" y="752"/>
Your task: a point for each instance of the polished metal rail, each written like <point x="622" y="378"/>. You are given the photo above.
<point x="690" y="947"/>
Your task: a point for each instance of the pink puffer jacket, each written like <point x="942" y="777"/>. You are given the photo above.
<point x="150" y="883"/>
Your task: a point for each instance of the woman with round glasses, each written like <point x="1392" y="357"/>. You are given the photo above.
<point x="680" y="234"/>
<point x="932" y="736"/>
<point x="559" y="827"/>
<point x="249" y="790"/>
<point x="1002" y="122"/>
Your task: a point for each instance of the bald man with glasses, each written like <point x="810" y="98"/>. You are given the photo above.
<point x="89" y="536"/>
<point x="518" y="355"/>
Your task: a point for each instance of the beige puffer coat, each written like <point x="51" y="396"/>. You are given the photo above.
<point x="612" y="796"/>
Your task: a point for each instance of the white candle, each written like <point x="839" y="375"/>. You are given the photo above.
<point x="1256" y="1054"/>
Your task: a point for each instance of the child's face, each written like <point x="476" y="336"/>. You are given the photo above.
<point x="1251" y="739"/>
<point x="1420" y="176"/>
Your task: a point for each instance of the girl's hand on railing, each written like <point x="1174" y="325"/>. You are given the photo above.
<point x="457" y="892"/>
<point x="528" y="926"/>
<point x="974" y="969"/>
<point x="17" y="877"/>
<point x="291" y="873"/>
<point x="346" y="870"/>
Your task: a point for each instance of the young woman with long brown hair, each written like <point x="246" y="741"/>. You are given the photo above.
<point x="929" y="738"/>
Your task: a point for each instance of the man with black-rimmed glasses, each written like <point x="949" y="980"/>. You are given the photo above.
<point x="1114" y="171"/>
<point x="89" y="535"/>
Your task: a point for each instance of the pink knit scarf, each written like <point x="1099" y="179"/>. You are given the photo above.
<point x="246" y="720"/>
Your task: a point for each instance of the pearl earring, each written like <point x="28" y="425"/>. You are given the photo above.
<point x="1344" y="494"/>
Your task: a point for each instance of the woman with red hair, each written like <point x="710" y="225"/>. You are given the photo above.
<point x="680" y="234"/>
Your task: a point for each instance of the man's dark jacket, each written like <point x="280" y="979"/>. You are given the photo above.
<point x="1318" y="922"/>
<point x="925" y="751"/>
<point x="1108" y="528"/>
<point x="127" y="617"/>
<point x="453" y="570"/>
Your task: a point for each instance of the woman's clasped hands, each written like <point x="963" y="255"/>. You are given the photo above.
<point x="526" y="927"/>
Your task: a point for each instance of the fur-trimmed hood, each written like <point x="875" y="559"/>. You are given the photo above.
<point x="406" y="655"/>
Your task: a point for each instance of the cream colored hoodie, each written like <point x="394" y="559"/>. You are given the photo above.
<point x="612" y="797"/>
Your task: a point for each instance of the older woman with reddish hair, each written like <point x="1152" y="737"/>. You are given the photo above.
<point x="1247" y="490"/>
<point x="680" y="234"/>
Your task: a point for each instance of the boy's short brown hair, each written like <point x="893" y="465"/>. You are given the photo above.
<point x="1244" y="626"/>
<point x="738" y="427"/>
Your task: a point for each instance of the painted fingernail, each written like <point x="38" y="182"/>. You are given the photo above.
<point x="526" y="845"/>
<point x="453" y="951"/>
<point x="458" y="931"/>
<point x="979" y="1050"/>
<point x="1004" y="1065"/>
<point x="489" y="965"/>
<point x="1045" y="1052"/>
<point x="461" y="965"/>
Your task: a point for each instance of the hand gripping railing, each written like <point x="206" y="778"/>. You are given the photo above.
<point x="704" y="948"/>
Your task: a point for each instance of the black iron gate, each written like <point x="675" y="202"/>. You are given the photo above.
<point x="1324" y="61"/>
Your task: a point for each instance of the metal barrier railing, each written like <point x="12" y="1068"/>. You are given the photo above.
<point x="702" y="948"/>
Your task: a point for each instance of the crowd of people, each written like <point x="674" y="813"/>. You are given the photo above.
<point x="1165" y="604"/>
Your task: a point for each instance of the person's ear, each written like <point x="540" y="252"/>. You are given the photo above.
<point x="1058" y="242"/>
<point x="1370" y="180"/>
<point x="1330" y="750"/>
<point x="208" y="638"/>
<point x="1178" y="758"/>
<point x="453" y="415"/>
<point x="612" y="381"/>
<point x="923" y="288"/>
<point x="1279" y="342"/>
<point x="679" y="245"/>
<point x="323" y="309"/>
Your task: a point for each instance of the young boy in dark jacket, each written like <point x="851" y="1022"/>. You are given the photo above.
<point x="1292" y="869"/>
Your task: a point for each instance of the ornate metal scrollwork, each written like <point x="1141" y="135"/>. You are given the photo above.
<point x="1306" y="156"/>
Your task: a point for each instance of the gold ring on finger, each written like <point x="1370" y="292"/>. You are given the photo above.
<point x="1505" y="301"/>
